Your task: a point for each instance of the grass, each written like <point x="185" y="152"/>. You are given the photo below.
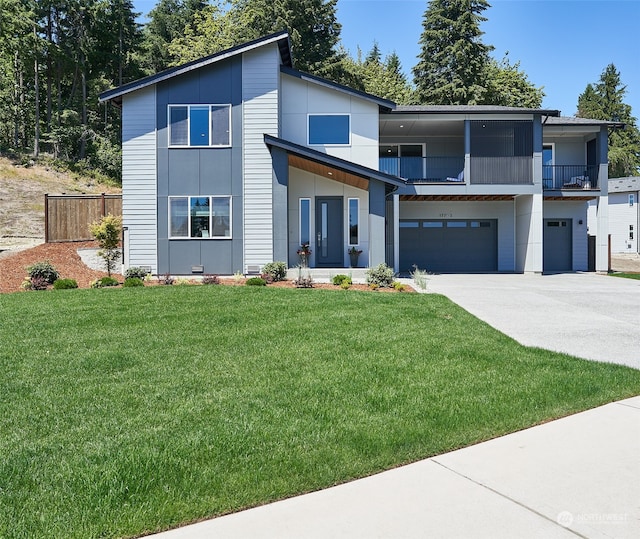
<point x="129" y="411"/>
<point x="627" y="275"/>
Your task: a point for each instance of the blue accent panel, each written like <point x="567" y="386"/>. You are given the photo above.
<point x="162" y="170"/>
<point x="280" y="203"/>
<point x="537" y="134"/>
<point x="201" y="171"/>
<point x="182" y="255"/>
<point x="216" y="257"/>
<point x="329" y="129"/>
<point x="215" y="171"/>
<point x="184" y="172"/>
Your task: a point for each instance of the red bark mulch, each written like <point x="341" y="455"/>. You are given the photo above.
<point x="63" y="256"/>
<point x="65" y="259"/>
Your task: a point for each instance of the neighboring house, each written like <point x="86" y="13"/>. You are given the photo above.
<point x="236" y="159"/>
<point x="624" y="214"/>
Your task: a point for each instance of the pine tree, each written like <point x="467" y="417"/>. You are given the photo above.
<point x="605" y="101"/>
<point x="453" y="59"/>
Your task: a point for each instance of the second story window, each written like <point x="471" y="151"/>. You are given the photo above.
<point x="199" y="125"/>
<point x="329" y="129"/>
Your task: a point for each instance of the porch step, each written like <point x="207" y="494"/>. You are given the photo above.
<point x="325" y="275"/>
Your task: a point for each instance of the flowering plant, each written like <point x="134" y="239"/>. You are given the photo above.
<point x="304" y="249"/>
<point x="354" y="251"/>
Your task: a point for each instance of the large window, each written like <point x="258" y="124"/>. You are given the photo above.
<point x="329" y="129"/>
<point x="199" y="125"/>
<point x="200" y="217"/>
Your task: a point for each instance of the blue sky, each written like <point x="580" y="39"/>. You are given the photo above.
<point x="561" y="44"/>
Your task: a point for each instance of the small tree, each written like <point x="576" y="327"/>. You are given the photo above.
<point x="107" y="231"/>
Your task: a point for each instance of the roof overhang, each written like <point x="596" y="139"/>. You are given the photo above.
<point x="280" y="38"/>
<point x="331" y="167"/>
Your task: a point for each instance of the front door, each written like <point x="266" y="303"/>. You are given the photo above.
<point x="329" y="234"/>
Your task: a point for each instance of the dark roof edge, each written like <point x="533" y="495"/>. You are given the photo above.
<point x="320" y="157"/>
<point x="281" y="38"/>
<point x="577" y="121"/>
<point x="471" y="109"/>
<point x="381" y="102"/>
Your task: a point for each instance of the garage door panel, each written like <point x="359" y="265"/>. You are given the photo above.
<point x="449" y="245"/>
<point x="557" y="241"/>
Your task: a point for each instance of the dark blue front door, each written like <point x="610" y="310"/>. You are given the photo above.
<point x="329" y="232"/>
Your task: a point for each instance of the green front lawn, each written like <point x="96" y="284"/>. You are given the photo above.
<point x="124" y="411"/>
<point x="627" y="275"/>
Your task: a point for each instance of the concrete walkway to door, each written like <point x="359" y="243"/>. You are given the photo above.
<point x="583" y="314"/>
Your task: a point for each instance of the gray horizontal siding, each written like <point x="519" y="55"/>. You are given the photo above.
<point x="139" y="199"/>
<point x="260" y="79"/>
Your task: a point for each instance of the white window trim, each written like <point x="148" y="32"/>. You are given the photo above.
<point x="189" y="105"/>
<point x="347" y="114"/>
<point x="359" y="221"/>
<point x="300" y="219"/>
<point x="211" y="198"/>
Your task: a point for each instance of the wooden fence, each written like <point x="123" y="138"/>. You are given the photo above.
<point x="67" y="217"/>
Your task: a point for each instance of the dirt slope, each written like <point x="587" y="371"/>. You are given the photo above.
<point x="22" y="191"/>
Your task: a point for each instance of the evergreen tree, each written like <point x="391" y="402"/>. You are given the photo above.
<point x="168" y="21"/>
<point x="605" y="101"/>
<point x="453" y="60"/>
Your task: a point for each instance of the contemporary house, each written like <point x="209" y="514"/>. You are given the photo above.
<point x="624" y="214"/>
<point x="237" y="159"/>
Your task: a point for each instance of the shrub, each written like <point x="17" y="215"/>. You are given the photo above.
<point x="256" y="281"/>
<point x="210" y="279"/>
<point x="346" y="284"/>
<point x="182" y="281"/>
<point x="339" y="279"/>
<point x="419" y="277"/>
<point x="266" y="277"/>
<point x="108" y="231"/>
<point x="39" y="283"/>
<point x="44" y="270"/>
<point x="130" y="282"/>
<point x="382" y="275"/>
<point x="104" y="282"/>
<point x="277" y="270"/>
<point x="374" y="286"/>
<point x="303" y="281"/>
<point x="65" y="284"/>
<point x="135" y="271"/>
<point x="166" y="279"/>
<point x="397" y="285"/>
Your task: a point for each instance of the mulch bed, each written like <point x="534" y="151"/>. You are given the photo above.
<point x="64" y="257"/>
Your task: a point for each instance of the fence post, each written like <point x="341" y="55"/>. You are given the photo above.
<point x="104" y="205"/>
<point x="46" y="218"/>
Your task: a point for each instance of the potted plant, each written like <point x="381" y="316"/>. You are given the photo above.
<point x="304" y="253"/>
<point x="353" y="256"/>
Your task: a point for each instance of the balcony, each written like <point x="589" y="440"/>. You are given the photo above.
<point x="557" y="177"/>
<point x="424" y="169"/>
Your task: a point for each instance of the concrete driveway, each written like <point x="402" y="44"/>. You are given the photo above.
<point x="583" y="314"/>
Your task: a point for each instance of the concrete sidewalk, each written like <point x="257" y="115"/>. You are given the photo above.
<point x="575" y="477"/>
